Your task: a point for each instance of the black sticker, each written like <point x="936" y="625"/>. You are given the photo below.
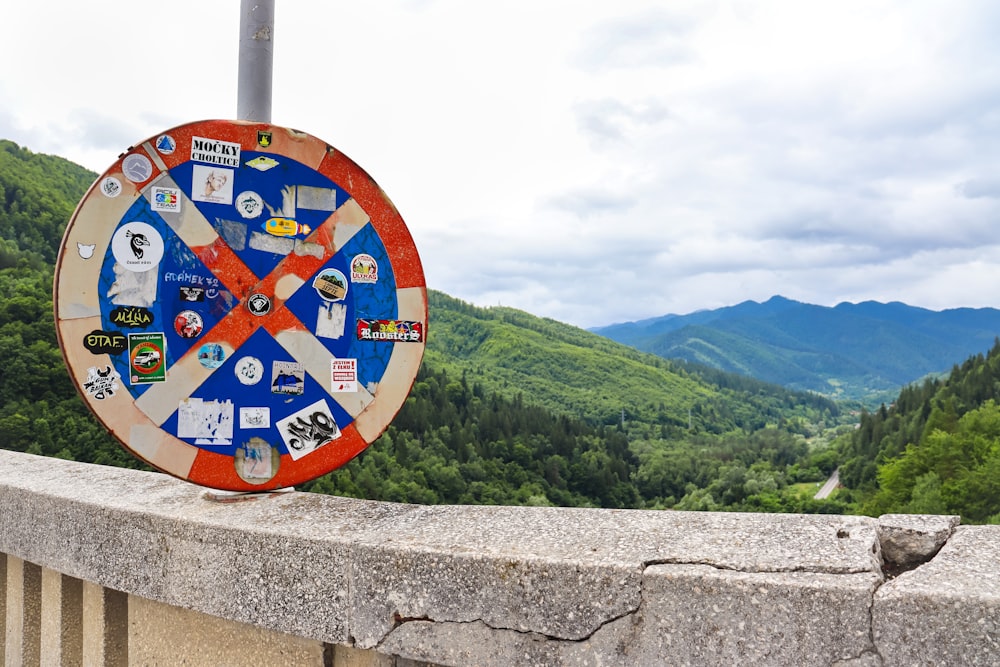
<point x="259" y="304"/>
<point x="192" y="294"/>
<point x="105" y="342"/>
<point x="132" y="317"/>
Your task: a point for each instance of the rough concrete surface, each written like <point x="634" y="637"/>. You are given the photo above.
<point x="689" y="615"/>
<point x="160" y="634"/>
<point x="946" y="612"/>
<point x="481" y="585"/>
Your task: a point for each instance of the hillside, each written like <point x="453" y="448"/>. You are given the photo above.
<point x="863" y="351"/>
<point x="935" y="450"/>
<point x="570" y="370"/>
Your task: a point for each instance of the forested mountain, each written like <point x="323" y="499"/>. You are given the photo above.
<point x="863" y="351"/>
<point x="40" y="411"/>
<point x="507" y="408"/>
<point x="936" y="450"/>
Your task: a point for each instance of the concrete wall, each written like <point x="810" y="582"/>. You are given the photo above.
<point x="103" y="566"/>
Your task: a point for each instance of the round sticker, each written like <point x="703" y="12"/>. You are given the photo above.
<point x="211" y="355"/>
<point x="188" y="324"/>
<point x="364" y="269"/>
<point x="249" y="370"/>
<point x="146" y="358"/>
<point x="137" y="168"/>
<point x="258" y="304"/>
<point x="331" y="285"/>
<point x="137" y="246"/>
<point x="165" y="144"/>
<point x="249" y="204"/>
<point x="111" y="187"/>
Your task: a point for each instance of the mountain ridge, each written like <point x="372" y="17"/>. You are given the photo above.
<point x="856" y="351"/>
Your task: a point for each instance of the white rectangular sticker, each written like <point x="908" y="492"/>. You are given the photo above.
<point x="213" y="151"/>
<point x="212" y="184"/>
<point x="255" y="418"/>
<point x="167" y="199"/>
<point x="344" y="375"/>
<point x="308" y="429"/>
<point x="209" y="422"/>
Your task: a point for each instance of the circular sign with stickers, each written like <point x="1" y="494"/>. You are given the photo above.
<point x="240" y="305"/>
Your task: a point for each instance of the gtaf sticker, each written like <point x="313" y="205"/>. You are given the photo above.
<point x="308" y="429"/>
<point x="99" y="341"/>
<point x="137" y="246"/>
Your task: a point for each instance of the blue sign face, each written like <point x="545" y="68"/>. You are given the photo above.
<point x="255" y="310"/>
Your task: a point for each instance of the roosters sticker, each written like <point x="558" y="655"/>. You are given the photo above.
<point x="391" y="331"/>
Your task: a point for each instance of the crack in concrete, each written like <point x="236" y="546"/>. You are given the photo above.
<point x="886" y="577"/>
<point x="732" y="568"/>
<point x="872" y="649"/>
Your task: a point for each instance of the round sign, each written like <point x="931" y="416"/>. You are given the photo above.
<point x="248" y="312"/>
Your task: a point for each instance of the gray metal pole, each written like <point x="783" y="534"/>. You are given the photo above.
<point x="253" y="95"/>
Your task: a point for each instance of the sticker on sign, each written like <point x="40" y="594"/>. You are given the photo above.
<point x="308" y="429"/>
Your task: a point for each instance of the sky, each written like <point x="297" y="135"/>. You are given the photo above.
<point x="590" y="162"/>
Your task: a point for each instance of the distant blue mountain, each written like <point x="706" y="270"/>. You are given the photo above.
<point x="861" y="351"/>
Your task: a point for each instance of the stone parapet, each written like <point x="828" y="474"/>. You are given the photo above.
<point x="348" y="582"/>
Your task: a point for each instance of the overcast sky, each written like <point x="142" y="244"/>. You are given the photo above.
<point x="592" y="162"/>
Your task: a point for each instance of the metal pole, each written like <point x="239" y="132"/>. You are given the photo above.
<point x="253" y="95"/>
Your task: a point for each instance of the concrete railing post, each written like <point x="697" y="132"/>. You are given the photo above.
<point x="61" y="620"/>
<point x="24" y="596"/>
<point x="105" y="626"/>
